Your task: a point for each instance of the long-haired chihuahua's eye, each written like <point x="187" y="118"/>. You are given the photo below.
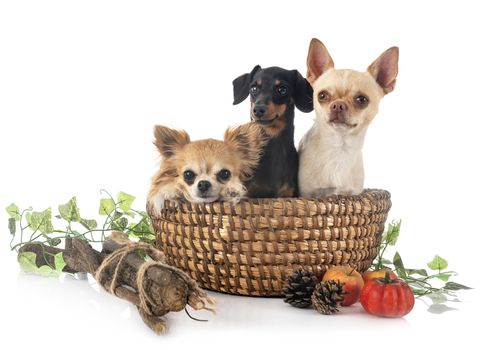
<point x="254" y="90"/>
<point x="282" y="90"/>
<point x="223" y="175"/>
<point x="322" y="96"/>
<point x="362" y="100"/>
<point x="189" y="176"/>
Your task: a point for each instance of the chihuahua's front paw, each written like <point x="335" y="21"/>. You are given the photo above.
<point x="159" y="204"/>
<point x="233" y="194"/>
<point x="232" y="197"/>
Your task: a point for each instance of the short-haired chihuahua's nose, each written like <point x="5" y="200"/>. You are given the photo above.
<point x="259" y="111"/>
<point x="338" y="106"/>
<point x="204" y="185"/>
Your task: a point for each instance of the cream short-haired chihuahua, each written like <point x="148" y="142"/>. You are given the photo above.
<point x="345" y="103"/>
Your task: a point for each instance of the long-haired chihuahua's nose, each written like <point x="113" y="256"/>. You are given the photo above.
<point x="259" y="111"/>
<point x="204" y="185"/>
<point x="338" y="106"/>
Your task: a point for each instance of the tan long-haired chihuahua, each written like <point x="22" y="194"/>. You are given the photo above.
<point x="345" y="103"/>
<point x="205" y="170"/>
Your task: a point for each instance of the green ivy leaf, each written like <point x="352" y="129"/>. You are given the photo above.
<point x="27" y="262"/>
<point x="125" y="201"/>
<point x="437" y="263"/>
<point x="89" y="224"/>
<point x="53" y="242"/>
<point x="107" y="206"/>
<point x="117" y="215"/>
<point x="416" y="291"/>
<point x="41" y="221"/>
<point x="70" y="211"/>
<point x="59" y="262"/>
<point x="400" y="269"/>
<point x="455" y="286"/>
<point x="421" y="272"/>
<point x="13" y="212"/>
<point x="47" y="271"/>
<point x="120" y="224"/>
<point x="443" y="276"/>
<point x="392" y="233"/>
<point x="12" y="226"/>
<point x="437" y="298"/>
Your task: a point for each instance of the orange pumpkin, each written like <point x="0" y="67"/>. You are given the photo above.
<point x="386" y="297"/>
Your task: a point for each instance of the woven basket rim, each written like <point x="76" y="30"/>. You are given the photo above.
<point x="274" y="203"/>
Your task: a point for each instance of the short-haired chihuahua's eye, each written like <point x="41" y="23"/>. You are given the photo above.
<point x="323" y="95"/>
<point x="223" y="175"/>
<point x="189" y="176"/>
<point x="282" y="90"/>
<point x="254" y="90"/>
<point x="362" y="100"/>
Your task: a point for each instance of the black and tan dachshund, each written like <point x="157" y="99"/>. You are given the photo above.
<point x="274" y="94"/>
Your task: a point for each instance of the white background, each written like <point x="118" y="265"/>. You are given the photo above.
<point x="83" y="82"/>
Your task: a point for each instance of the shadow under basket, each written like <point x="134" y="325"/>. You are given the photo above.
<point x="251" y="248"/>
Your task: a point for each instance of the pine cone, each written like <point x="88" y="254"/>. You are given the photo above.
<point x="298" y="291"/>
<point x="326" y="297"/>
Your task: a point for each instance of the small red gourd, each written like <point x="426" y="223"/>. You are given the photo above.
<point x="386" y="297"/>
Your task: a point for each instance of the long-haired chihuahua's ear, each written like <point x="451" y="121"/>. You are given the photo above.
<point x="167" y="140"/>
<point x="241" y="85"/>
<point x="385" y="69"/>
<point x="303" y="93"/>
<point x="248" y="141"/>
<point x="318" y="60"/>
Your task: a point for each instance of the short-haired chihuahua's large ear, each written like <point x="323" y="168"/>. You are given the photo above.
<point x="167" y="140"/>
<point x="385" y="69"/>
<point x="248" y="141"/>
<point x="318" y="60"/>
<point x="303" y="93"/>
<point x="241" y="85"/>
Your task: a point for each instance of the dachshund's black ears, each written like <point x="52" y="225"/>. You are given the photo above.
<point x="241" y="85"/>
<point x="303" y="93"/>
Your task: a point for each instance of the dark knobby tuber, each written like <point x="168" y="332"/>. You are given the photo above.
<point x="153" y="286"/>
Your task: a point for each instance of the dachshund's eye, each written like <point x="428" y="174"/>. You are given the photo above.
<point x="188" y="176"/>
<point x="323" y="96"/>
<point x="223" y="175"/>
<point x="362" y="100"/>
<point x="282" y="90"/>
<point x="254" y="90"/>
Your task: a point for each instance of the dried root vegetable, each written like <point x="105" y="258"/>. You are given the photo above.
<point x="153" y="286"/>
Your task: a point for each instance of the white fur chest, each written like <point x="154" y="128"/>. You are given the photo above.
<point x="330" y="163"/>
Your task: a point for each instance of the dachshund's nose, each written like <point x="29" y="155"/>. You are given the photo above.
<point x="259" y="111"/>
<point x="204" y="185"/>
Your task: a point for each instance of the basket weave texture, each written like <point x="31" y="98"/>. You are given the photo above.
<point x="251" y="248"/>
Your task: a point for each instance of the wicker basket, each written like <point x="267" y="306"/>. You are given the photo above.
<point x="252" y="247"/>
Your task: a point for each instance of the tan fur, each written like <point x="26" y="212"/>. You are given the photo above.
<point x="330" y="153"/>
<point x="239" y="153"/>
<point x="247" y="142"/>
<point x="168" y="140"/>
<point x="278" y="124"/>
<point x="286" y="191"/>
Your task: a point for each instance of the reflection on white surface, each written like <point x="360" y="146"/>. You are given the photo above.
<point x="62" y="306"/>
<point x="126" y="313"/>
